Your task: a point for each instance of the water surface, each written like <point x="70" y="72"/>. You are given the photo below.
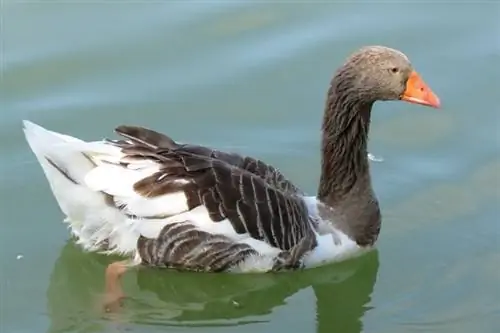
<point x="252" y="77"/>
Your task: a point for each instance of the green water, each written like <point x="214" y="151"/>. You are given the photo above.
<point x="252" y="77"/>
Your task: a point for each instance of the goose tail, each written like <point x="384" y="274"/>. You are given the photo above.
<point x="66" y="161"/>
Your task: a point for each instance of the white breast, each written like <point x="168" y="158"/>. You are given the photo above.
<point x="333" y="244"/>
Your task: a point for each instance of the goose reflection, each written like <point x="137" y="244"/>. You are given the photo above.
<point x="156" y="298"/>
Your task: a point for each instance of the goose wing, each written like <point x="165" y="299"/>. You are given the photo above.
<point x="170" y="179"/>
<point x="154" y="140"/>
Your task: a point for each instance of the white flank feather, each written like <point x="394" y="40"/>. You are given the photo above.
<point x="165" y="205"/>
<point x="115" y="179"/>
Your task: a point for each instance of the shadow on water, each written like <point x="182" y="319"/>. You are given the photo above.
<point x="167" y="298"/>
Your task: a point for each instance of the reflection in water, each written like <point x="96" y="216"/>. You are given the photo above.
<point x="167" y="298"/>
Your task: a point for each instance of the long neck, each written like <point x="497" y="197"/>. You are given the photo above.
<point x="345" y="185"/>
<point x="345" y="166"/>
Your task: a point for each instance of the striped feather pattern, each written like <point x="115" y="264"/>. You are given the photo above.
<point x="257" y="201"/>
<point x="182" y="246"/>
<point x="154" y="140"/>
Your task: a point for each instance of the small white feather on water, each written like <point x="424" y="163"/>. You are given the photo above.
<point x="374" y="158"/>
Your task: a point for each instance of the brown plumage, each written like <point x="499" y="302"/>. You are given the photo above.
<point x="254" y="197"/>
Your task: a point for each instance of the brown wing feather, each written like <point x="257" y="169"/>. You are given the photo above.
<point x="248" y="200"/>
<point x="265" y="171"/>
<point x="152" y="140"/>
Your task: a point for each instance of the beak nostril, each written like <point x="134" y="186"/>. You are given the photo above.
<point x="417" y="91"/>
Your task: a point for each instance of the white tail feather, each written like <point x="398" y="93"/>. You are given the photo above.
<point x="91" y="219"/>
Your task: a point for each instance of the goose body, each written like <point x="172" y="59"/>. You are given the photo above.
<point x="189" y="207"/>
<point x="184" y="206"/>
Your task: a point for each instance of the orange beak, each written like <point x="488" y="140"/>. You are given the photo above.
<point x="418" y="92"/>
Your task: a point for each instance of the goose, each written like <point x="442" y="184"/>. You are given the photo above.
<point x="157" y="202"/>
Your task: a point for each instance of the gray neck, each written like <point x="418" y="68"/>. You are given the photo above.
<point x="345" y="184"/>
<point x="345" y="163"/>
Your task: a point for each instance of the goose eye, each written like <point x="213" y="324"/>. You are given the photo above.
<point x="394" y="70"/>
